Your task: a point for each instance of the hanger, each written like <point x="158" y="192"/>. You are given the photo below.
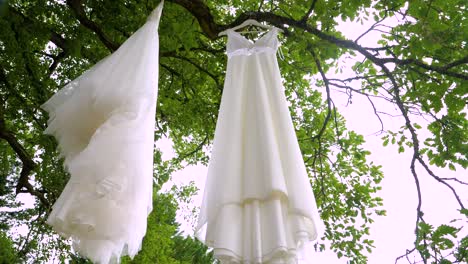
<point x="248" y="22"/>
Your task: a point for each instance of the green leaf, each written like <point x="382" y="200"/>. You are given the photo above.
<point x="452" y="167"/>
<point x="464" y="211"/>
<point x="401" y="149"/>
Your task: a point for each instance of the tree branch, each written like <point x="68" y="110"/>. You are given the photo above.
<point x="78" y="9"/>
<point x="197" y="65"/>
<point x="327" y="88"/>
<point x="56" y="61"/>
<point x="194" y="151"/>
<point x="370" y="29"/>
<point x="416" y="157"/>
<point x="416" y="152"/>
<point x="456" y="63"/>
<point x="307" y="14"/>
<point x="29" y="165"/>
<point x="454" y="179"/>
<point x="202" y="13"/>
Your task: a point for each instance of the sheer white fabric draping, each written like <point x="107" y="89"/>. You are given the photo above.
<point x="258" y="205"/>
<point x="104" y="123"/>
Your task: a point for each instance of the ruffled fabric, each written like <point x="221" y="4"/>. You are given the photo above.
<point x="258" y="205"/>
<point x="104" y="123"/>
<point x="259" y="232"/>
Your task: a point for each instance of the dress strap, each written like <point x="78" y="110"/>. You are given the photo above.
<point x="280" y="53"/>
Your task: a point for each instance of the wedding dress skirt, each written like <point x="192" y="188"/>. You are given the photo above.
<point x="258" y="205"/>
<point x="104" y="123"/>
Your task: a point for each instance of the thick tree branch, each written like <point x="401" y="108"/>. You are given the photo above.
<point x="206" y="21"/>
<point x="416" y="157"/>
<point x="456" y="63"/>
<point x="23" y="184"/>
<point x="78" y="9"/>
<point x="416" y="153"/>
<point x="201" y="11"/>
<point x="56" y="61"/>
<point x="29" y="165"/>
<point x="439" y="69"/>
<point x="309" y="12"/>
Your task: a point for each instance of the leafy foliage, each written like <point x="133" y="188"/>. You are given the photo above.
<point x="163" y="243"/>
<point x="8" y="253"/>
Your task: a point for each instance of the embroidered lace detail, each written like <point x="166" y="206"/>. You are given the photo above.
<point x="250" y="51"/>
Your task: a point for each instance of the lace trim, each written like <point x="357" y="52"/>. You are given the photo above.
<point x="279" y="255"/>
<point x="250" y="51"/>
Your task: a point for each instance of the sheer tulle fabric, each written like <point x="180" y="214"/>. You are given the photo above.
<point x="104" y="123"/>
<point x="258" y="205"/>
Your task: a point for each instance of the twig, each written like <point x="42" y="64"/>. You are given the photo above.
<point x="307" y="14"/>
<point x="327" y="89"/>
<point x="454" y="179"/>
<point x="371" y="28"/>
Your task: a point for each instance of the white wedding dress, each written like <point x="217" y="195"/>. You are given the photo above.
<point x="104" y="123"/>
<point x="258" y="205"/>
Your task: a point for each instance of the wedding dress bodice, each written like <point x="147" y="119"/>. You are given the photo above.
<point x="239" y="45"/>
